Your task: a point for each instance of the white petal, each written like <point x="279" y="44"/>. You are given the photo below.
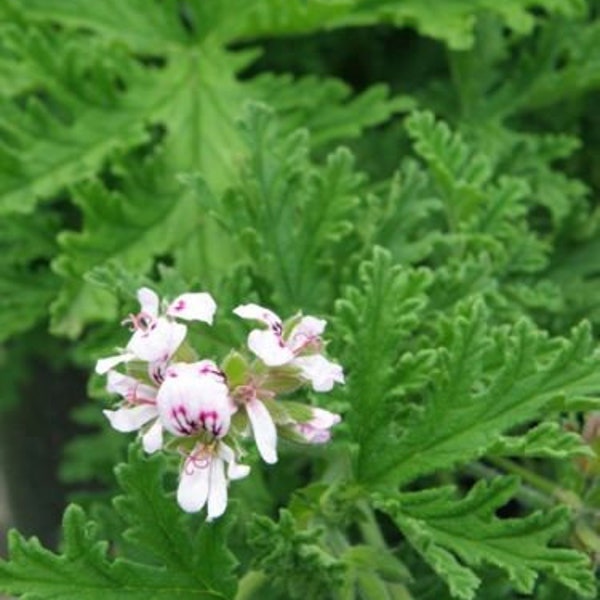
<point x="234" y="470"/>
<point x="130" y="419"/>
<point x="269" y="347"/>
<point x="307" y="329"/>
<point x="208" y="368"/>
<point x="117" y="383"/>
<point x="158" y="343"/>
<point x="316" y="430"/>
<point x="265" y="433"/>
<point x="189" y="402"/>
<point x="257" y="313"/>
<point x="217" y="490"/>
<point x="193" y="307"/>
<point x="148" y="300"/>
<point x="104" y="365"/>
<point x="322" y="373"/>
<point x="129" y="387"/>
<point x="324" y="419"/>
<point x="311" y="434"/>
<point x="237" y="471"/>
<point x="193" y="489"/>
<point x="152" y="440"/>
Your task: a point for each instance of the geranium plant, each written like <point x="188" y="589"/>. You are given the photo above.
<point x="359" y="246"/>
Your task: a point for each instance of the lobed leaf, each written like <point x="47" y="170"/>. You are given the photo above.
<point x="183" y="567"/>
<point x="453" y="535"/>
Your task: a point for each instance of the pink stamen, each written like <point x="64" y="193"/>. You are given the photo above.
<point x="199" y="459"/>
<point x="311" y="342"/>
<point x="140" y="322"/>
<point x="133" y="398"/>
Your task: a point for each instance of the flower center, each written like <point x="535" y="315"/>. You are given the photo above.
<point x="140" y="322"/>
<point x="303" y="341"/>
<point x="198" y="458"/>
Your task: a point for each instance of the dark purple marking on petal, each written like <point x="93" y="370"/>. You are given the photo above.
<point x="181" y="422"/>
<point x="157" y="373"/>
<point x="180" y="305"/>
<point x="209" y="420"/>
<point x="213" y="371"/>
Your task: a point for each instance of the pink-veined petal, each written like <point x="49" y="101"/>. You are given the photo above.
<point x="265" y="432"/>
<point x="104" y="365"/>
<point x="189" y="402"/>
<point x="152" y="440"/>
<point x="130" y="419"/>
<point x="312" y="435"/>
<point x="209" y="368"/>
<point x="217" y="489"/>
<point x="269" y="347"/>
<point x="257" y="313"/>
<point x="198" y="306"/>
<point x="308" y="329"/>
<point x="323" y="419"/>
<point x="149" y="302"/>
<point x="317" y="429"/>
<point x="129" y="387"/>
<point x="156" y="371"/>
<point x="322" y="373"/>
<point x="159" y="342"/>
<point x="193" y="488"/>
<point x="117" y="383"/>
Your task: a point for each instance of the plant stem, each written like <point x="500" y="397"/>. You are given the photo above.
<point x="250" y="584"/>
<point x="547" y="486"/>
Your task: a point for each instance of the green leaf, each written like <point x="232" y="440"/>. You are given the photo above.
<point x="158" y="525"/>
<point x="50" y="144"/>
<point x="99" y="99"/>
<point x="118" y="228"/>
<point x="486" y="385"/>
<point x="375" y="321"/>
<point x="453" y="535"/>
<point x="26" y="284"/>
<point x="292" y="217"/>
<point x="453" y="21"/>
<point x="183" y="566"/>
<point x="294" y="559"/>
<point x="147" y="26"/>
<point x="548" y="440"/>
<point x="326" y="106"/>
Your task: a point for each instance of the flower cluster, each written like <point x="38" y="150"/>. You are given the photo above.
<point x="204" y="411"/>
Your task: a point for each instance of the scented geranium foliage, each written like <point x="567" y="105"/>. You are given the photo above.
<point x="332" y="269"/>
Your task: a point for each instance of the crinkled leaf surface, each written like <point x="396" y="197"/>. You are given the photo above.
<point x="182" y="564"/>
<point x="483" y="381"/>
<point x="453" y="535"/>
<point x="102" y="98"/>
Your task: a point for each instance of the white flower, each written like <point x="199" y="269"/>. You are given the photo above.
<point x="301" y="348"/>
<point x="317" y="429"/>
<point x="138" y="409"/>
<point x="194" y="399"/>
<point x="203" y="480"/>
<point x="157" y="336"/>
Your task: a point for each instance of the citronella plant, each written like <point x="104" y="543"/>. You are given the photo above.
<point x="359" y="246"/>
